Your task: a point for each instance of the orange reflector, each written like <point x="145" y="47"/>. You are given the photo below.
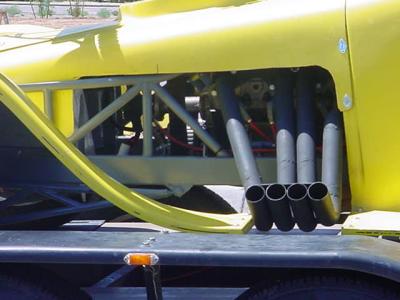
<point x="141" y="259"/>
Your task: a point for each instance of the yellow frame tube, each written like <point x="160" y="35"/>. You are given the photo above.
<point x="97" y="180"/>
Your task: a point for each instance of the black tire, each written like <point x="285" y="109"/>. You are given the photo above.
<point x="31" y="283"/>
<point x="324" y="288"/>
<point x="17" y="289"/>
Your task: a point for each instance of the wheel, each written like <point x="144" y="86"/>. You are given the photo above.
<point x="12" y="288"/>
<point x="323" y="288"/>
<point x="16" y="288"/>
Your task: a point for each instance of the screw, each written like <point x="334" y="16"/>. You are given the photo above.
<point x="347" y="103"/>
<point x="342" y="46"/>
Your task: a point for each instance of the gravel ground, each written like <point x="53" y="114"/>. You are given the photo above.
<point x="60" y="17"/>
<point x="57" y="22"/>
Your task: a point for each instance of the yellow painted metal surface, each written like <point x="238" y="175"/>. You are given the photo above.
<point x="164" y="215"/>
<point x="152" y="37"/>
<point x="160" y="7"/>
<point x="373" y="223"/>
<point x="216" y="36"/>
<point x="177" y="36"/>
<point x="14" y="36"/>
<point x="63" y="111"/>
<point x="372" y="125"/>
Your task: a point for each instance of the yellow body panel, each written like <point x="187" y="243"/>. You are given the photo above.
<point x="373" y="124"/>
<point x="206" y="36"/>
<point x="63" y="111"/>
<point x="254" y="35"/>
<point x="373" y="223"/>
<point x="357" y="41"/>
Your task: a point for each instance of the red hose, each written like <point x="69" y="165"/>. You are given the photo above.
<point x="264" y="150"/>
<point x="273" y="129"/>
<point x="200" y="149"/>
<point x="257" y="130"/>
<point x="178" y="142"/>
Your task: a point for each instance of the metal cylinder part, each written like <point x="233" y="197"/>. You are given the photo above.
<point x="326" y="196"/>
<point x="301" y="207"/>
<point x="305" y="145"/>
<point x="332" y="158"/>
<point x="255" y="197"/>
<point x="279" y="206"/>
<point x="322" y="204"/>
<point x="284" y="118"/>
<point x="188" y="119"/>
<point x="285" y="151"/>
<point x="305" y="152"/>
<point x="242" y="153"/>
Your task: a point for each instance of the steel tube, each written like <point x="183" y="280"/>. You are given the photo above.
<point x="187" y="118"/>
<point x="284" y="118"/>
<point x="147" y="105"/>
<point x="279" y="206"/>
<point x="237" y="134"/>
<point x="255" y="197"/>
<point x="242" y="153"/>
<point x="285" y="151"/>
<point x="48" y="103"/>
<point x="301" y="207"/>
<point x="92" y="83"/>
<point x="305" y="145"/>
<point x="326" y="196"/>
<point x="305" y="150"/>
<point x="322" y="204"/>
<point x="332" y="158"/>
<point x="103" y="115"/>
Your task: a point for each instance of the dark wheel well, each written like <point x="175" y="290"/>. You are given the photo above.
<point x="32" y="282"/>
<point x="324" y="285"/>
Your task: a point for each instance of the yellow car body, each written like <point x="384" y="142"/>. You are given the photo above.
<point x="356" y="41"/>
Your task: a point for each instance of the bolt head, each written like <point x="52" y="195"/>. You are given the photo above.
<point x="342" y="45"/>
<point x="347" y="102"/>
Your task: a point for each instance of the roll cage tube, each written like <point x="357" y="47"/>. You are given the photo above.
<point x="97" y="180"/>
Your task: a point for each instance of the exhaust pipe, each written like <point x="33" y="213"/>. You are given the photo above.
<point x="255" y="197"/>
<point x="305" y="147"/>
<point x="285" y="151"/>
<point x="322" y="204"/>
<point x="279" y="206"/>
<point x="300" y="203"/>
<point x="326" y="196"/>
<point x="243" y="155"/>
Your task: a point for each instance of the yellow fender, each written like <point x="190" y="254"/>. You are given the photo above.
<point x="136" y="204"/>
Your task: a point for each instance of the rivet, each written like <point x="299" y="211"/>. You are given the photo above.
<point x="342" y="46"/>
<point x="347" y="102"/>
